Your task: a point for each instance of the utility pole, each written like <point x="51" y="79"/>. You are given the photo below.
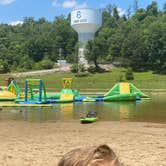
<point x="60" y="58"/>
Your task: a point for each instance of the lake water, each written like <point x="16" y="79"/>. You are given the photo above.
<point x="153" y="110"/>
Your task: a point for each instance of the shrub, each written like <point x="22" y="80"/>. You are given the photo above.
<point x="129" y="74"/>
<point x="82" y="74"/>
<point x="74" y="68"/>
<point x="20" y="69"/>
<point x="25" y="63"/>
<point x="4" y="67"/>
<point x="92" y="69"/>
<point x="100" y="70"/>
<point x="81" y="68"/>
<point x="46" y="64"/>
<point x="56" y="66"/>
<point x="121" y="78"/>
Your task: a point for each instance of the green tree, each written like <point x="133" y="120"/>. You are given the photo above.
<point x="46" y="64"/>
<point x="156" y="42"/>
<point x="4" y="68"/>
<point x="129" y="74"/>
<point x="128" y="12"/>
<point x="135" y="6"/>
<point x="140" y="15"/>
<point x="136" y="40"/>
<point x="152" y="9"/>
<point x="164" y="8"/>
<point x="115" y="13"/>
<point x="95" y="49"/>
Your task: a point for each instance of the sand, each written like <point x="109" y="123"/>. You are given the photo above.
<point x="43" y="144"/>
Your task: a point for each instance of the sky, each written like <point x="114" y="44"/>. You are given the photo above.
<point x="14" y="11"/>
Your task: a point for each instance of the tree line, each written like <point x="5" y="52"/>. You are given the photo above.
<point x="136" y="39"/>
<point x="35" y="44"/>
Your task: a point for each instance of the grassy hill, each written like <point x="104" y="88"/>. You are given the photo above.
<point x="96" y="82"/>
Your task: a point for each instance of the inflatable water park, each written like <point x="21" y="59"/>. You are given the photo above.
<point x="35" y="93"/>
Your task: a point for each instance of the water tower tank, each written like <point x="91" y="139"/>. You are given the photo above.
<point x="85" y="22"/>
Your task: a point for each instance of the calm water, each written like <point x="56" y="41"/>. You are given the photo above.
<point x="153" y="110"/>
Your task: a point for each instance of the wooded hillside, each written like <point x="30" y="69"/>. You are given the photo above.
<point x="137" y="40"/>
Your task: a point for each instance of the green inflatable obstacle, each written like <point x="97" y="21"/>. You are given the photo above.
<point x="14" y="88"/>
<point x="49" y="95"/>
<point x="135" y="90"/>
<point x="124" y="92"/>
<point x="121" y="97"/>
<point x="10" y="93"/>
<point x="31" y="88"/>
<point x="67" y="94"/>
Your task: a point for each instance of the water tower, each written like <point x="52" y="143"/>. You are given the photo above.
<point x="85" y="22"/>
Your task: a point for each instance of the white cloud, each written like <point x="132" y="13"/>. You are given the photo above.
<point x="69" y="4"/>
<point x="83" y="5"/>
<point x="55" y="3"/>
<point x="6" y="2"/>
<point x="14" y="23"/>
<point x="121" y="11"/>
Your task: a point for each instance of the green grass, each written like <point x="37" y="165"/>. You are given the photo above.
<point x="98" y="82"/>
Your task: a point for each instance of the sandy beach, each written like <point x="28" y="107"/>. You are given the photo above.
<point x="43" y="144"/>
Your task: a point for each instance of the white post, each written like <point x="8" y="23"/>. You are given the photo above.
<point x="60" y="58"/>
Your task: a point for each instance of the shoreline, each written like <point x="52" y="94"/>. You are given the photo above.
<point x="40" y="144"/>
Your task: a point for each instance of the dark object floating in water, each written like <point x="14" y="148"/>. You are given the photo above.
<point x="90" y="117"/>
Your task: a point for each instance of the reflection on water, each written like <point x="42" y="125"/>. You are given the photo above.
<point x="153" y="110"/>
<point x="38" y="114"/>
<point x="67" y="110"/>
